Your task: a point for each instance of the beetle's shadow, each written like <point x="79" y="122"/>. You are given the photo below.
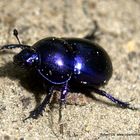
<point x="33" y="83"/>
<point x="27" y="79"/>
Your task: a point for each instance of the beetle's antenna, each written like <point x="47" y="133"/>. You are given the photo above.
<point x="15" y="33"/>
<point x="13" y="46"/>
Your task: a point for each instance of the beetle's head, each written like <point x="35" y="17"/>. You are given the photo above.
<point x="26" y="58"/>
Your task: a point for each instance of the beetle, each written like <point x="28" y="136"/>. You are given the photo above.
<point x="65" y="61"/>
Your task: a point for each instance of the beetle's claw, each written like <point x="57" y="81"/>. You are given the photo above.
<point x="129" y="106"/>
<point x="124" y="105"/>
<point x="34" y="114"/>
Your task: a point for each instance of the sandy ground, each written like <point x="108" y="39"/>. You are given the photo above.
<point x="90" y="119"/>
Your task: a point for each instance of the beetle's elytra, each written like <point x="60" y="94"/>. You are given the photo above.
<point x="62" y="61"/>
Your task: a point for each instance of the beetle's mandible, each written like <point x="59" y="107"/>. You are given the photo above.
<point x="62" y="61"/>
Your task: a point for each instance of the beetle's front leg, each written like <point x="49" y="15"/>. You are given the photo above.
<point x="39" y="110"/>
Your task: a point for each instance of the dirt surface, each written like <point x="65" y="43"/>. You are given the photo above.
<point x="90" y="119"/>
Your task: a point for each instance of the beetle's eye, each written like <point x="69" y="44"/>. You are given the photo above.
<point x="17" y="59"/>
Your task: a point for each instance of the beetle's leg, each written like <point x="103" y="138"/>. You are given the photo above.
<point x="39" y="110"/>
<point x="120" y="103"/>
<point x="62" y="101"/>
<point x="13" y="46"/>
<point x="64" y="93"/>
<point x="92" y="35"/>
<point x="63" y="98"/>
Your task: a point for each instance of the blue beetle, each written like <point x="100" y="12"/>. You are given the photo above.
<point x="65" y="61"/>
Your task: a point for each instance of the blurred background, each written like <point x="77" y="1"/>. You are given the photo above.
<point x="119" y="33"/>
